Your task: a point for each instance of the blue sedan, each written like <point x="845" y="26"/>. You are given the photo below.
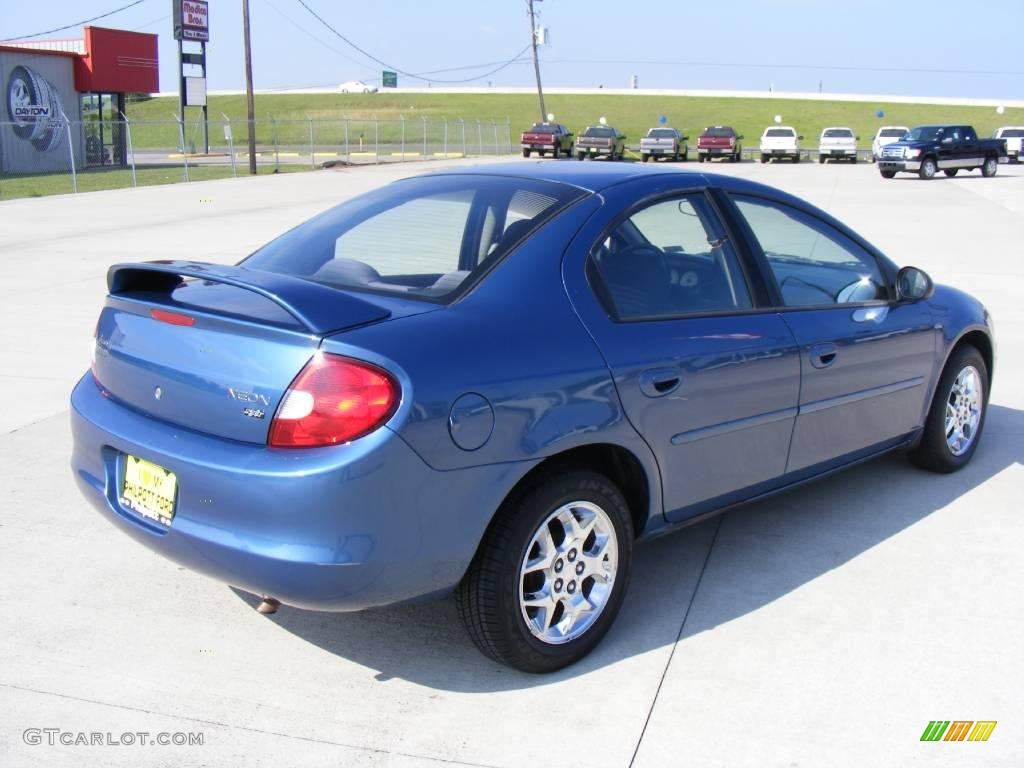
<point x="496" y="381"/>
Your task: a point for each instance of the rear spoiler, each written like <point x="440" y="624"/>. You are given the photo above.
<point x="318" y="308"/>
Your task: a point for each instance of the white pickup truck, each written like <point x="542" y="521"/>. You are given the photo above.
<point x="780" y="141"/>
<point x="837" y="144"/>
<point x="1013" y="135"/>
<point x="887" y="134"/>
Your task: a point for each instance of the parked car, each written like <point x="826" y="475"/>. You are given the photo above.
<point x="928" y="149"/>
<point x="666" y="143"/>
<point x="780" y="141"/>
<point x="547" y="137"/>
<point x="1013" y="135"/>
<point x="837" y="144"/>
<point x="719" y="141"/>
<point x="598" y="140"/>
<point x="887" y="134"/>
<point x="408" y="395"/>
<point x="356" y="86"/>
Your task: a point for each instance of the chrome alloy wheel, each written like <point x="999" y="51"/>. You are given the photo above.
<point x="963" y="411"/>
<point x="568" y="572"/>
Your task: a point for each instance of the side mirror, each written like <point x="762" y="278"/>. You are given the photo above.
<point x="856" y="138"/>
<point x="740" y="137"/>
<point x="913" y="284"/>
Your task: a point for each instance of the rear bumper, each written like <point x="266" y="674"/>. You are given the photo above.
<point x="339" y="528"/>
<point x="594" y="150"/>
<point x="717" y="150"/>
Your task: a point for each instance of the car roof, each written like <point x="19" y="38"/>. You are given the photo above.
<point x="594" y="177"/>
<point x="837" y="128"/>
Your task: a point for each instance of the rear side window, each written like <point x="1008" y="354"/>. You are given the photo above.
<point x="421" y="238"/>
<point x="667" y="260"/>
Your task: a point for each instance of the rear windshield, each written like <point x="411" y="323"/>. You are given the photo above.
<point x="601" y="133"/>
<point x="1011" y="133"/>
<point x="661" y="133"/>
<point x="541" y="128"/>
<point x="838" y="133"/>
<point x="720" y="133"/>
<point x="780" y="132"/>
<point x="891" y="133"/>
<point x="420" y="238"/>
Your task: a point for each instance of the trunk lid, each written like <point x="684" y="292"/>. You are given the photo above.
<point x="538" y="138"/>
<point x="216" y="353"/>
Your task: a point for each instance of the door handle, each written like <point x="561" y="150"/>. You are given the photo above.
<point x="823" y="355"/>
<point x="659" y="382"/>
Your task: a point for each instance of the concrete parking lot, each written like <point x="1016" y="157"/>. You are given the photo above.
<point x="825" y="627"/>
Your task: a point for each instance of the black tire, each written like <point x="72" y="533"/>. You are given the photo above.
<point x="797" y="158"/>
<point x="951" y="171"/>
<point x="933" y="452"/>
<point x="542" y="152"/>
<point x="888" y="174"/>
<point x="526" y="153"/>
<point x="874" y="158"/>
<point x="821" y="159"/>
<point x="764" y="158"/>
<point x="488" y="597"/>
<point x="685" y="156"/>
<point x="571" y="151"/>
<point x="989" y="167"/>
<point x="700" y="157"/>
<point x="580" y="155"/>
<point x="928" y="168"/>
<point x="853" y="160"/>
<point x="644" y="158"/>
<point x="556" y="152"/>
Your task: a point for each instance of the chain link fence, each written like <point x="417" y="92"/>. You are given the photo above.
<point x="81" y="156"/>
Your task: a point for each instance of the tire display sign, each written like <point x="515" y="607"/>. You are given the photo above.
<point x="38" y="92"/>
<point x="191" y="20"/>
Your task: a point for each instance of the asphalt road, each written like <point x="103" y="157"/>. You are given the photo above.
<point x="825" y="627"/>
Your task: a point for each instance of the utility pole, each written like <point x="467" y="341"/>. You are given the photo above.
<point x="250" y="108"/>
<point x="536" y="63"/>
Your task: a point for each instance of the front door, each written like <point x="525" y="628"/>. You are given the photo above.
<point x="708" y="379"/>
<point x="866" y="360"/>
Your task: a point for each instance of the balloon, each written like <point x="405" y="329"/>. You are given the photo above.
<point x="602" y="121"/>
<point x="551" y="117"/>
<point x="879" y="114"/>
<point x="778" y="118"/>
<point x="1000" y="109"/>
<point x="662" y="119"/>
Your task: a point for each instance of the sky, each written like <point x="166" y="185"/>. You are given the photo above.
<point x="938" y="48"/>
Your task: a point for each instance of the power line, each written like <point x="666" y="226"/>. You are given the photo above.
<point x="76" y="24"/>
<point x="309" y="34"/>
<point x="383" y="63"/>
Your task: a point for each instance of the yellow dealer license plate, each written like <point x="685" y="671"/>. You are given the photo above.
<point x="149" y="489"/>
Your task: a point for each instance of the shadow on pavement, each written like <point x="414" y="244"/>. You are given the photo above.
<point x="782" y="543"/>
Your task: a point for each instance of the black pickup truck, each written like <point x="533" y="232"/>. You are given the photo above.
<point x="928" y="149"/>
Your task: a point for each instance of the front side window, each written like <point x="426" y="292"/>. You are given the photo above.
<point x="813" y="264"/>
<point x="668" y="260"/>
<point x="420" y="238"/>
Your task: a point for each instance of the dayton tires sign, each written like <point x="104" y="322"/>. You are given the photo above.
<point x="34" y="108"/>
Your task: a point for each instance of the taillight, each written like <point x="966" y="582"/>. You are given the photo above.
<point x="333" y="400"/>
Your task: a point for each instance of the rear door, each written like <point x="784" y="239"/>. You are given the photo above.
<point x="866" y="360"/>
<point x="706" y="373"/>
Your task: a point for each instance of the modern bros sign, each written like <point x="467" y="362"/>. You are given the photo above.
<point x="191" y="20"/>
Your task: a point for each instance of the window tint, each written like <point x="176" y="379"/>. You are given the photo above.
<point x="418" y="238"/>
<point x="721" y="133"/>
<point x="838" y="133"/>
<point x="661" y="133"/>
<point x="813" y="264"/>
<point x="787" y="132"/>
<point x="666" y="260"/>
